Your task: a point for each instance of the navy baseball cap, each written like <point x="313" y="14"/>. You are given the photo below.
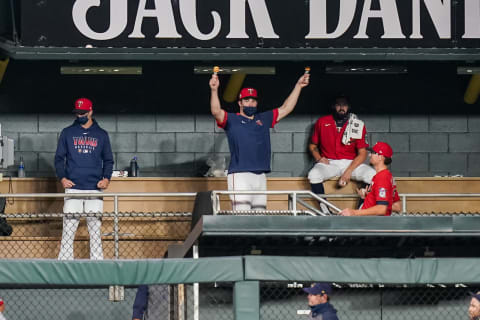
<point x="475" y="295"/>
<point x="319" y="288"/>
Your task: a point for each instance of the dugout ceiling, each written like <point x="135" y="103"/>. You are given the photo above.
<point x="216" y="30"/>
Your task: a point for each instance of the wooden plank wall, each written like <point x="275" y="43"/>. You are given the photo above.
<point x="405" y="185"/>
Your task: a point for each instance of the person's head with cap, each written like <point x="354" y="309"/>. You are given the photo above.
<point x="83" y="110"/>
<point x="318" y="293"/>
<point x="2" y="305"/>
<point x="381" y="151"/>
<point x="474" y="308"/>
<point x="247" y="100"/>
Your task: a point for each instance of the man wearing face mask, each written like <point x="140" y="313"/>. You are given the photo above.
<point x="248" y="134"/>
<point x="339" y="147"/>
<point x="84" y="164"/>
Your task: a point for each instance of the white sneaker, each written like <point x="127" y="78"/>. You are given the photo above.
<point x="324" y="208"/>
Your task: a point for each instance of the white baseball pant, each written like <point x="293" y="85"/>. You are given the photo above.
<point x="248" y="181"/>
<point x="70" y="225"/>
<point x="321" y="171"/>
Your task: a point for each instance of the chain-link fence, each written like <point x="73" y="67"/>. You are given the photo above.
<point x="281" y="300"/>
<point x="83" y="236"/>
<point x="278" y="300"/>
<point x="174" y="302"/>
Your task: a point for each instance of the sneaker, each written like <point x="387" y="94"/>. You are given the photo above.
<point x="324" y="208"/>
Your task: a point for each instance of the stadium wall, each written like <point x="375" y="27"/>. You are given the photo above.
<point x="179" y="145"/>
<point x="163" y="116"/>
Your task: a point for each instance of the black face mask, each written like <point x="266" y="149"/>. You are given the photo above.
<point x="250" y="111"/>
<point x="82" y="119"/>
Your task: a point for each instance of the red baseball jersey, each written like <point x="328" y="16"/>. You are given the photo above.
<point x="329" y="140"/>
<point x="381" y="191"/>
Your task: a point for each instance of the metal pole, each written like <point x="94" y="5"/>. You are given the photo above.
<point x="214" y="203"/>
<point x="315" y="211"/>
<point x="196" y="291"/>
<point x="294" y="203"/>
<point x="14" y="23"/>
<point x="115" y="227"/>
<point x="404" y="204"/>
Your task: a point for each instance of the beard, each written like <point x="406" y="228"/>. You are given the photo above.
<point x="339" y="116"/>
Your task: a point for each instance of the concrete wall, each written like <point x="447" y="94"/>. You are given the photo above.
<point x="179" y="145"/>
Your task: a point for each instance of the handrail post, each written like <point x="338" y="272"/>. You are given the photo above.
<point x="294" y="203"/>
<point x="214" y="202"/>
<point x="196" y="288"/>
<point x="404" y="204"/>
<point x="115" y="227"/>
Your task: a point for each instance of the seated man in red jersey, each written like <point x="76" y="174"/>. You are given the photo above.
<point x="380" y="193"/>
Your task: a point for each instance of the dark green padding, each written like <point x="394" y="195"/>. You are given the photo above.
<point x="120" y="272"/>
<point x="383" y="270"/>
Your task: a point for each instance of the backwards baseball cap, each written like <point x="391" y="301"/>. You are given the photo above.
<point x="382" y="148"/>
<point x="319" y="288"/>
<point x="475" y="295"/>
<point x="83" y="105"/>
<point x="247" y="93"/>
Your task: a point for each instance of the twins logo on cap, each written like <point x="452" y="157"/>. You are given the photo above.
<point x="83" y="105"/>
<point x="247" y="93"/>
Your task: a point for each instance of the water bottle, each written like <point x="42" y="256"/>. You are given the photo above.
<point x="21" y="168"/>
<point x="134" y="167"/>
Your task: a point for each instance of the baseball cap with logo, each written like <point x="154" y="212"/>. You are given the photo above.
<point x="83" y="105"/>
<point x="382" y="148"/>
<point x="319" y="288"/>
<point x="247" y="93"/>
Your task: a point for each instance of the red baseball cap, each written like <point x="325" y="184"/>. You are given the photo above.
<point x="83" y="105"/>
<point x="383" y="149"/>
<point x="247" y="93"/>
<point x="1" y="302"/>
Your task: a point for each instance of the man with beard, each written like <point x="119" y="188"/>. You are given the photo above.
<point x="474" y="309"/>
<point x="339" y="147"/>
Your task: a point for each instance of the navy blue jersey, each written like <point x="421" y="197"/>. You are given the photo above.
<point x="249" y="141"/>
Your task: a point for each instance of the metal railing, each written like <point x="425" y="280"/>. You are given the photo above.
<point x="296" y="197"/>
<point x="116" y="214"/>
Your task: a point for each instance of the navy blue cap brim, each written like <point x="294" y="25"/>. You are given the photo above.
<point x="475" y="295"/>
<point x="308" y="290"/>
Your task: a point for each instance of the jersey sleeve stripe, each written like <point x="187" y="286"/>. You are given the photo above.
<point x="275" y="117"/>
<point x="224" y="123"/>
